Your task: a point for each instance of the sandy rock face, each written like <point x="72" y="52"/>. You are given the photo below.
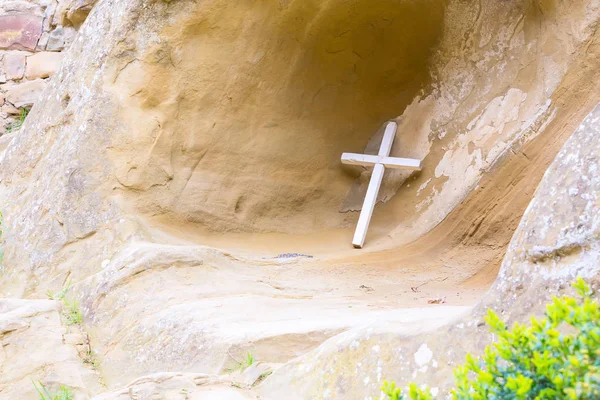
<point x="557" y="240"/>
<point x="260" y="151"/>
<point x="180" y="173"/>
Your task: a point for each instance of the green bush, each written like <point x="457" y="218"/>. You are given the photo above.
<point x="557" y="357"/>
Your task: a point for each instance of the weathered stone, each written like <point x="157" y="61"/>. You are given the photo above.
<point x="33" y="349"/>
<point x="49" y="7"/>
<point x="24" y="94"/>
<point x="263" y="320"/>
<point x="10" y="109"/>
<point x="60" y="38"/>
<point x="1" y="99"/>
<point x="14" y="65"/>
<point x="20" y="31"/>
<point x="73" y="12"/>
<point x="254" y="373"/>
<point x="5" y="138"/>
<point x="79" y="10"/>
<point x="43" y="42"/>
<point x="74" y="339"/>
<point x="22" y="7"/>
<point x="42" y="65"/>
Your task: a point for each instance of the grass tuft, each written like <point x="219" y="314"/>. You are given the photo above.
<point x="71" y="312"/>
<point x="60" y="295"/>
<point x="92" y="359"/>
<point x="15" y="126"/>
<point x="242" y="365"/>
<point x="63" y="393"/>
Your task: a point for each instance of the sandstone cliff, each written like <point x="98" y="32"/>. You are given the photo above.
<point x="180" y="176"/>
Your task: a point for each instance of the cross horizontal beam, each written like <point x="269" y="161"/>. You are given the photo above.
<point x="366" y="160"/>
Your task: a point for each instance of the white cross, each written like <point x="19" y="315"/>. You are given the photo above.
<point x="380" y="162"/>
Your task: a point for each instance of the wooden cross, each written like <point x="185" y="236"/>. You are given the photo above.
<point x="380" y="162"/>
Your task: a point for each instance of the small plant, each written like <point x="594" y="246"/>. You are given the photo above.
<point x="249" y="360"/>
<point x="242" y="365"/>
<point x="90" y="358"/>
<point x="556" y="357"/>
<point x="15" y="126"/>
<point x="64" y="393"/>
<point x="60" y="295"/>
<point x="71" y="312"/>
<point x="414" y="393"/>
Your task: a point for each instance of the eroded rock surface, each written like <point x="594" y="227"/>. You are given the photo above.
<point x="35" y="348"/>
<point x="174" y="156"/>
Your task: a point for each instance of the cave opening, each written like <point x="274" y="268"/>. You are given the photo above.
<point x="263" y="99"/>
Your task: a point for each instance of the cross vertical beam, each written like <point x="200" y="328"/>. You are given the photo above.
<point x="368" y="206"/>
<point x="371" y="197"/>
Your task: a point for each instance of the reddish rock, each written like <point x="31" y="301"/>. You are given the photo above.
<point x="14" y="65"/>
<point x="20" y="31"/>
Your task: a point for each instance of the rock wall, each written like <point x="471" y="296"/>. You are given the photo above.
<point x="33" y="35"/>
<point x="175" y="136"/>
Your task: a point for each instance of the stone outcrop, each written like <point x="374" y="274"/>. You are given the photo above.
<point x="180" y="175"/>
<point x="33" y="33"/>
